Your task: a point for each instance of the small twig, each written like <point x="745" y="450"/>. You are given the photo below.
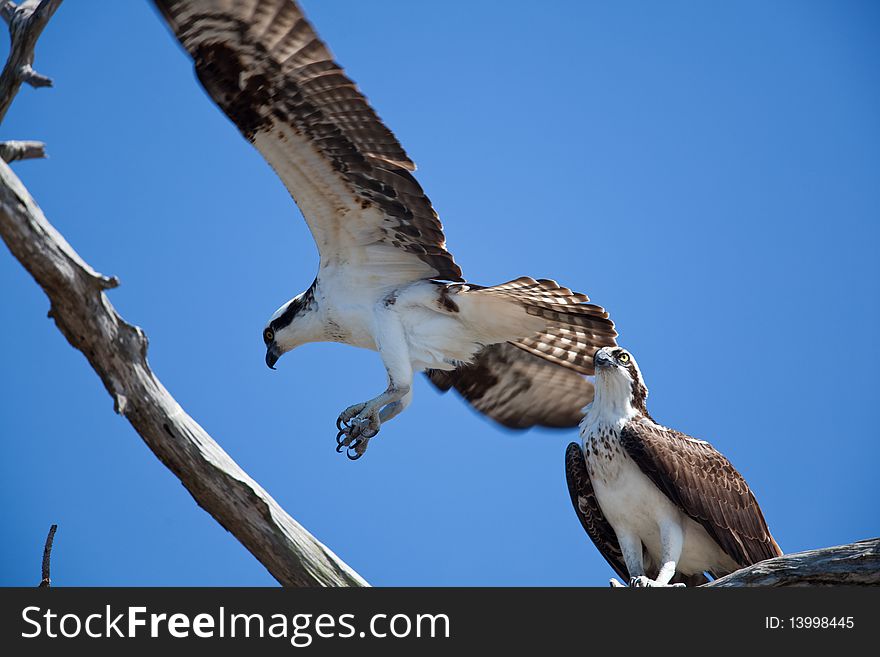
<point x="46" y="582"/>
<point x="7" y="10"/>
<point x="26" y="22"/>
<point x="27" y="74"/>
<point x="13" y="150"/>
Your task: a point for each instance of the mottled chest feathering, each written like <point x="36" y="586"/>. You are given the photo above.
<point x="603" y="452"/>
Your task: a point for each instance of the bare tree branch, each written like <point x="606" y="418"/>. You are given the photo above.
<point x="10" y="151"/>
<point x="26" y="22"/>
<point x="117" y="351"/>
<point x="853" y="564"/>
<point x="46" y="582"/>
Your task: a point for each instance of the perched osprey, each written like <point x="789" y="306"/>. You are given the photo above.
<point x="661" y="506"/>
<point x="517" y="352"/>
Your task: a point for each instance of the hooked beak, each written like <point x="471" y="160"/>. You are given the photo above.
<point x="272" y="355"/>
<point x="603" y="359"/>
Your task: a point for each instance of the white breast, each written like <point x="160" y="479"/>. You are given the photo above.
<point x="347" y="308"/>
<point x="633" y="504"/>
<point x="630" y="501"/>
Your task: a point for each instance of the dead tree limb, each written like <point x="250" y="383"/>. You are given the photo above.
<point x="26" y="22"/>
<point x="46" y="582"/>
<point x="117" y="351"/>
<point x="10" y="151"/>
<point x="853" y="564"/>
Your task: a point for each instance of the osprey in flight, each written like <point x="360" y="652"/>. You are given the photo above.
<point x="654" y="500"/>
<point x="517" y="352"/>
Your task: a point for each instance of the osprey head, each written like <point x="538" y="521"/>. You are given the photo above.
<point x="618" y="378"/>
<point x="289" y="327"/>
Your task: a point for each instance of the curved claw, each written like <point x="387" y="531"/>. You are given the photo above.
<point x="339" y="441"/>
<point x="339" y="424"/>
<point x="352" y="450"/>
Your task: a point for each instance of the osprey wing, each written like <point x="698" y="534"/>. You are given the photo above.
<point x="575" y="328"/>
<point x="696" y="477"/>
<point x="266" y="68"/>
<point x="518" y="389"/>
<point x="586" y="506"/>
<point x="537" y="380"/>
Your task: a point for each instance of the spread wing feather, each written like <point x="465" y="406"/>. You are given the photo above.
<point x="575" y="328"/>
<point x="518" y="389"/>
<point x="266" y="68"/>
<point x="696" y="477"/>
<point x="537" y="380"/>
<point x="586" y="506"/>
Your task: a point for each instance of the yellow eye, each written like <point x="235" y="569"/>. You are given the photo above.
<point x="268" y="335"/>
<point x="623" y="357"/>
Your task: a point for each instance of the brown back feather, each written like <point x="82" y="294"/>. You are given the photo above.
<point x="696" y="477"/>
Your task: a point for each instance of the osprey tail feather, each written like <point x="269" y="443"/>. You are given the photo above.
<point x="571" y="328"/>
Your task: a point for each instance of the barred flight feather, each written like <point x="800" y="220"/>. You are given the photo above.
<point x="266" y="68"/>
<point x="517" y="389"/>
<point x="576" y="328"/>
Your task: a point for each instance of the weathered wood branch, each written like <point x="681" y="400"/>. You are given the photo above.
<point x="118" y="353"/>
<point x="26" y="22"/>
<point x="853" y="564"/>
<point x="46" y="582"/>
<point x="12" y="150"/>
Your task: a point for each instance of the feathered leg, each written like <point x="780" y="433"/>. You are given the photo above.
<point x="360" y="422"/>
<point x="671" y="541"/>
<point x="631" y="547"/>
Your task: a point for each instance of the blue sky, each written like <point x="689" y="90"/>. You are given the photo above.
<point x="709" y="172"/>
